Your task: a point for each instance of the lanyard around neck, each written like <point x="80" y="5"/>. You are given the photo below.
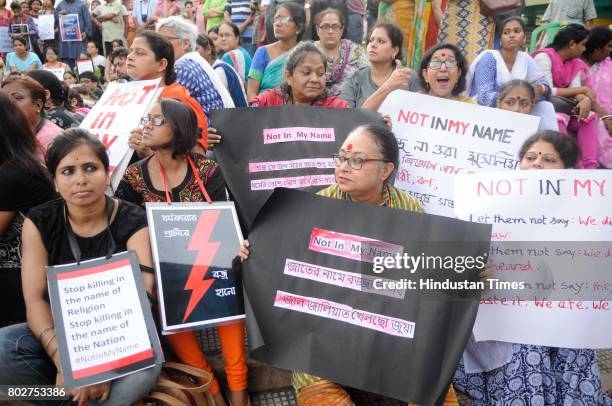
<point x="74" y="244"/>
<point x="196" y="173"/>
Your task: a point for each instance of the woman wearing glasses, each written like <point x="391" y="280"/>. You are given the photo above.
<point x="443" y="71"/>
<point x="364" y="167"/>
<point x="152" y="57"/>
<point x="344" y="57"/>
<point x="175" y="174"/>
<point x="268" y="67"/>
<point x="369" y="86"/>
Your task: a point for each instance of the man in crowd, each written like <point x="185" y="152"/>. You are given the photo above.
<point x="242" y="14"/>
<point x="70" y="50"/>
<point x="111" y="17"/>
<point x="118" y="60"/>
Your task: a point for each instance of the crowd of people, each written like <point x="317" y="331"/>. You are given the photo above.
<point x="220" y="54"/>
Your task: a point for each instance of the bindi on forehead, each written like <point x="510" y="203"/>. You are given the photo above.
<point x="349" y="147"/>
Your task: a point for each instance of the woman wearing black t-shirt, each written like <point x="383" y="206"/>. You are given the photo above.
<point x="24" y="183"/>
<point x="29" y="353"/>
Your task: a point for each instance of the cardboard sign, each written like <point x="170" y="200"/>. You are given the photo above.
<point x="6" y="42"/>
<point x="46" y="26"/>
<point x="193" y="248"/>
<point x="118" y="112"/>
<point x="70" y="30"/>
<point x="440" y="138"/>
<point x="318" y="304"/>
<point x="85" y="65"/>
<point x="552" y="233"/>
<point x="102" y="319"/>
<point x="58" y="72"/>
<point x="268" y="147"/>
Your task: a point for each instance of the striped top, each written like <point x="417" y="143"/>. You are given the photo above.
<point x="393" y="197"/>
<point x="240" y="11"/>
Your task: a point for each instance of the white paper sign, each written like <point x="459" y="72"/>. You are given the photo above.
<point x="84" y="65"/>
<point x="439" y="138"/>
<point x="552" y="231"/>
<point x="58" y="72"/>
<point x="6" y="43"/>
<point x="46" y="26"/>
<point x="118" y="112"/>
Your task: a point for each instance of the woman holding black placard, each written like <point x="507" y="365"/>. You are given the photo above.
<point x="174" y="173"/>
<point x="101" y="226"/>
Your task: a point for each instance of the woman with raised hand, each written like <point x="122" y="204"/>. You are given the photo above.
<point x="29" y="352"/>
<point x="267" y="69"/>
<point x="369" y="86"/>
<point x="344" y="57"/>
<point x="567" y="73"/>
<point x="493" y="68"/>
<point x="175" y="174"/>
<point x="31" y="97"/>
<point x="26" y="183"/>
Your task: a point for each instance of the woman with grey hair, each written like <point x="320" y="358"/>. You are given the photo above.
<point x="192" y="71"/>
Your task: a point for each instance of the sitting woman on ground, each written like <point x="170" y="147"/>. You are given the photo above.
<point x="364" y="166"/>
<point x="493" y="68"/>
<point x="304" y="85"/>
<point x="175" y="174"/>
<point x="500" y="372"/>
<point x="29" y="353"/>
<point x="152" y="57"/>
<point x="563" y="68"/>
<point x="30" y="96"/>
<point x="26" y="183"/>
<point x="57" y="100"/>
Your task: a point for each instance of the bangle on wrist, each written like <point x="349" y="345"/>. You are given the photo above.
<point x="45" y="331"/>
<point x="49" y="342"/>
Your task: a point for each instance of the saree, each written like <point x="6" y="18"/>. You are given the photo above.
<point x="352" y="57"/>
<point x="412" y="17"/>
<point x="240" y="60"/>
<point x="274" y="74"/>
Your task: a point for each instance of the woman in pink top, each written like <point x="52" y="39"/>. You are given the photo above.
<point x="30" y="97"/>
<point x="166" y="8"/>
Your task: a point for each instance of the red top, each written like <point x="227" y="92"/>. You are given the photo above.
<point x="274" y="98"/>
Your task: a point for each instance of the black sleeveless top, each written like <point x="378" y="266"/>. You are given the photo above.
<point x="49" y="219"/>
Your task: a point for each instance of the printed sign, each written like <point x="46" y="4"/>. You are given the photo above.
<point x="193" y="248"/>
<point x="70" y="30"/>
<point x="102" y="320"/>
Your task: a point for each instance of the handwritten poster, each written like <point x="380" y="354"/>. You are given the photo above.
<point x="552" y="239"/>
<point x="272" y="147"/>
<point x="70" y="29"/>
<point x="441" y="138"/>
<point x="6" y="43"/>
<point x="46" y="26"/>
<point x="193" y="248"/>
<point x="118" y="112"/>
<point x="102" y="319"/>
<point x="84" y="65"/>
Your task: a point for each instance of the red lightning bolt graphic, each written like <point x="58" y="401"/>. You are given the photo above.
<point x="206" y="252"/>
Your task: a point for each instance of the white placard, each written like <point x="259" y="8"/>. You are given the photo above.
<point x="440" y="138"/>
<point x="46" y="27"/>
<point x="6" y="43"/>
<point x="118" y="112"/>
<point x="58" y="72"/>
<point x="552" y="230"/>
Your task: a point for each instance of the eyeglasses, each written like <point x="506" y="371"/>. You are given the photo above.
<point x="330" y="27"/>
<point x="437" y="64"/>
<point x="354" y="163"/>
<point x="156" y="121"/>
<point x="282" y="20"/>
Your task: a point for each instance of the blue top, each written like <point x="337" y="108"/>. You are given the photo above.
<point x="190" y="75"/>
<point x="12" y="60"/>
